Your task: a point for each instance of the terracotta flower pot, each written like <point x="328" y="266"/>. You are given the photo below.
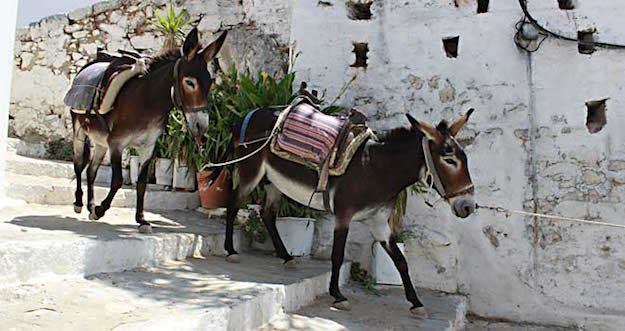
<point x="214" y="195"/>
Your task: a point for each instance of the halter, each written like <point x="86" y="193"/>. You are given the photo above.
<point x="176" y="93"/>
<point x="430" y="171"/>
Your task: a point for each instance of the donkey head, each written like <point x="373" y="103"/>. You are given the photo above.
<point x="447" y="163"/>
<point x="193" y="81"/>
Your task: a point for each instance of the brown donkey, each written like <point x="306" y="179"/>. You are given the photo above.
<point x="367" y="191"/>
<point x="176" y="78"/>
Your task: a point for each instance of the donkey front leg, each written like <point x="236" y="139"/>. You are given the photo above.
<point x="147" y="153"/>
<point x="116" y="181"/>
<point x="270" y="211"/>
<point x="400" y="263"/>
<point x="341" y="229"/>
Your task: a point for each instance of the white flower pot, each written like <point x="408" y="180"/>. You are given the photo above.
<point x="296" y="233"/>
<point x="164" y="172"/>
<point x="135" y="168"/>
<point x="184" y="177"/>
<point x="383" y="269"/>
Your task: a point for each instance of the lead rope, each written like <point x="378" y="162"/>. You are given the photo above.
<point x="509" y="212"/>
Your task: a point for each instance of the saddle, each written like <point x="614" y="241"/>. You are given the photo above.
<point x="97" y="84"/>
<point x="318" y="141"/>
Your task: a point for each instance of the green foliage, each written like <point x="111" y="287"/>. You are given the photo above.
<point x="162" y="148"/>
<point x="362" y="277"/>
<point x="60" y="150"/>
<point x="402" y="201"/>
<point x="254" y="229"/>
<point x="171" y="24"/>
<point x="177" y="140"/>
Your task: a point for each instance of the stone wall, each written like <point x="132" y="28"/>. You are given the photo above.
<point x="527" y="144"/>
<point x="48" y="53"/>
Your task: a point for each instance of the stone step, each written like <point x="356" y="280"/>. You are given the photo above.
<point x="386" y="309"/>
<point x="42" y="243"/>
<point x="197" y="294"/>
<point x="21" y="165"/>
<point x="60" y="191"/>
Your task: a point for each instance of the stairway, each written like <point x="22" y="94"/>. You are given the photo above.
<point x="60" y="271"/>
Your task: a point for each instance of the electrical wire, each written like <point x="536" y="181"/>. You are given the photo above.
<point x="529" y="19"/>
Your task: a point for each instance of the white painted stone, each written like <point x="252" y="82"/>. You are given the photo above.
<point x="383" y="269"/>
<point x="27" y="60"/>
<point x="80" y="34"/>
<point x="89" y="49"/>
<point x="146" y="41"/>
<point x="7" y="37"/>
<point x="80" y="13"/>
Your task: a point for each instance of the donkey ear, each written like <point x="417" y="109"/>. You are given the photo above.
<point x="211" y="50"/>
<point x="191" y="45"/>
<point x="425" y="128"/>
<point x="460" y="122"/>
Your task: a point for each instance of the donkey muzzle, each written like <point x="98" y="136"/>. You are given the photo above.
<point x="463" y="206"/>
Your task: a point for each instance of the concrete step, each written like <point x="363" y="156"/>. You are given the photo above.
<point x="385" y="310"/>
<point x="197" y="294"/>
<point x="60" y="191"/>
<point x="42" y="243"/>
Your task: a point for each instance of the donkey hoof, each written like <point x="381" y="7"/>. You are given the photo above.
<point x="233" y="258"/>
<point x="420" y="312"/>
<point x="290" y="264"/>
<point x="145" y="228"/>
<point x="93" y="216"/>
<point x="77" y="209"/>
<point x="342" y="305"/>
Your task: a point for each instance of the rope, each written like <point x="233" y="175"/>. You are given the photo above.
<point x="509" y="212"/>
<point x="223" y="164"/>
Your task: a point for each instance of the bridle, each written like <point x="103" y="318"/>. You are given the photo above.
<point x="176" y="93"/>
<point x="431" y="172"/>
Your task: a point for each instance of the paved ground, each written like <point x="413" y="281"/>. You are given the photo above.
<point x="386" y="311"/>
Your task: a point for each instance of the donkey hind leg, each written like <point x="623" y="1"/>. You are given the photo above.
<point x="397" y="256"/>
<point x="146" y="155"/>
<point x="270" y="211"/>
<point x="97" y="155"/>
<point x="80" y="157"/>
<point x="116" y="181"/>
<point x="341" y="229"/>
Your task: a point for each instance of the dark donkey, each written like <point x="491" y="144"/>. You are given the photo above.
<point x="176" y="78"/>
<point x="367" y="191"/>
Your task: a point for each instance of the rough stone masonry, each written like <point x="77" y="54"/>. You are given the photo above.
<point x="528" y="143"/>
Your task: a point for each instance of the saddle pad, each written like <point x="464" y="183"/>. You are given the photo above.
<point x="84" y="87"/>
<point x="309" y="134"/>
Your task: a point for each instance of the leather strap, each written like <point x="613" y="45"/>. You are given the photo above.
<point x="431" y="168"/>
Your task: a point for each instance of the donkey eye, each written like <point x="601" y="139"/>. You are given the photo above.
<point x="451" y="162"/>
<point x="189" y="83"/>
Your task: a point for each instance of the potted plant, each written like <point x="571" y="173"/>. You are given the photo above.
<point x="183" y="150"/>
<point x="164" y="166"/>
<point x="135" y="166"/>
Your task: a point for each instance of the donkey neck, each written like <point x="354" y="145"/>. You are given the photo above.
<point x="157" y="86"/>
<point x="397" y="162"/>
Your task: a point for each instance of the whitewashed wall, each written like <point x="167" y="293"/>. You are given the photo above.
<point x="528" y="146"/>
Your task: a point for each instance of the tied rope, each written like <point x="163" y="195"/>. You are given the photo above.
<point x="509" y="212"/>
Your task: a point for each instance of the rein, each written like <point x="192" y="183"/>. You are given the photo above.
<point x="509" y="212"/>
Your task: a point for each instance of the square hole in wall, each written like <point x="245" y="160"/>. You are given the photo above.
<point x="359" y="9"/>
<point x="596" y="117"/>
<point x="482" y="6"/>
<point x="450" y="45"/>
<point x="360" y="50"/>
<point x="566" y="4"/>
<point x="585" y="41"/>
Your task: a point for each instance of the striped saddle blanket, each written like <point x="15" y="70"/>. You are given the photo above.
<point x="310" y="135"/>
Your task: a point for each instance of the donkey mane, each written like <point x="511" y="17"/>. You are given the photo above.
<point x="164" y="58"/>
<point x="396" y="134"/>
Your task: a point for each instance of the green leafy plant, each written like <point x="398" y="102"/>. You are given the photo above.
<point x="171" y="24"/>
<point x="254" y="229"/>
<point x="177" y="140"/>
<point x="362" y="277"/>
<point x="162" y="148"/>
<point x="59" y="150"/>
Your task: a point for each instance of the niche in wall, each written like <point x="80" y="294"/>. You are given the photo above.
<point x="596" y="115"/>
<point x="450" y="45"/>
<point x="361" y="50"/>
